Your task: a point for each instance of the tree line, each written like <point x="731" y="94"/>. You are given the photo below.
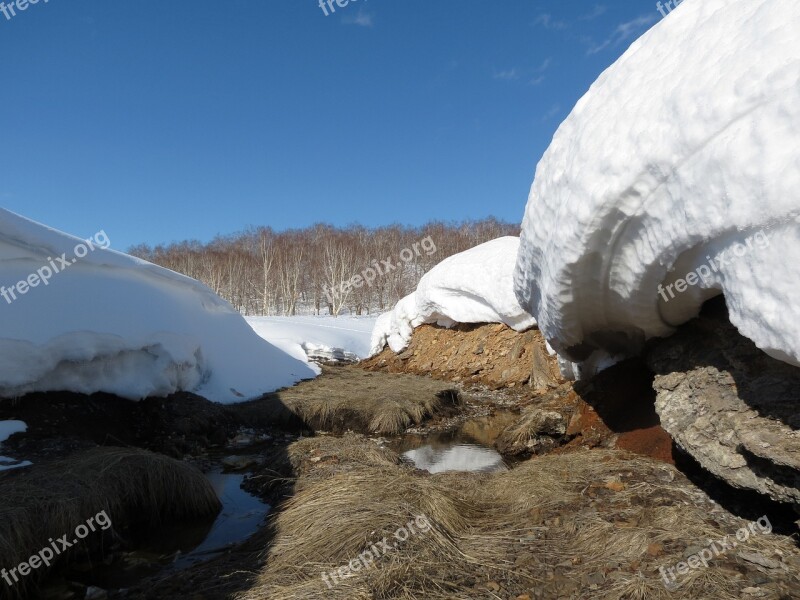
<point x="321" y="269"/>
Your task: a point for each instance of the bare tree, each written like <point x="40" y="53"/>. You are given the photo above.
<point x="261" y="271"/>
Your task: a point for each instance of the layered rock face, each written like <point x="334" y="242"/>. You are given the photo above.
<point x="730" y="405"/>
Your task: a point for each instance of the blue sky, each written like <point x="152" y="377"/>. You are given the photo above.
<point x="162" y="121"/>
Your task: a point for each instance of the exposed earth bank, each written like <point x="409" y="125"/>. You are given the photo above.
<point x="615" y="409"/>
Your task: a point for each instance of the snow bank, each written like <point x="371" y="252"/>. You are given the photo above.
<point x="475" y="286"/>
<point x="7" y="429"/>
<point x="684" y="150"/>
<point x="317" y="337"/>
<point x="113" y="323"/>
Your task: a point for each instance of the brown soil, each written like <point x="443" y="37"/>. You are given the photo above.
<point x="620" y="402"/>
<point x="492" y="355"/>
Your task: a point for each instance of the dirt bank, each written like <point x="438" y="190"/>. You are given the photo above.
<point x="491" y="354"/>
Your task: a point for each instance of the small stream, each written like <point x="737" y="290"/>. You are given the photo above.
<point x="242" y="514"/>
<point x="181" y="546"/>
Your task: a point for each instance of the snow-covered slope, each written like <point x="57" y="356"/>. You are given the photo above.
<point x="320" y="337"/>
<point x="688" y="147"/>
<point x="474" y="286"/>
<point x="113" y="323"/>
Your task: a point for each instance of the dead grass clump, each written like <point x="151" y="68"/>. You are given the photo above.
<point x="136" y="489"/>
<point x="349" y="398"/>
<point x="330" y="523"/>
<point x="585" y="524"/>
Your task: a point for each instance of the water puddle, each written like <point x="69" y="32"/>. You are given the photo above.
<point x="180" y="546"/>
<point x="242" y="514"/>
<point x="468" y="448"/>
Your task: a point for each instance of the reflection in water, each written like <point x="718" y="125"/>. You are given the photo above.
<point x="458" y="457"/>
<point x="241" y="516"/>
<point x="468" y="448"/>
<point x="180" y="545"/>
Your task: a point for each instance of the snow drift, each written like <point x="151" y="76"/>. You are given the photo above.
<point x="674" y="179"/>
<point x="317" y="337"/>
<point x="113" y="323"/>
<point x="475" y="286"/>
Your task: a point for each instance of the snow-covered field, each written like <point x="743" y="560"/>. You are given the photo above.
<point x="322" y="337"/>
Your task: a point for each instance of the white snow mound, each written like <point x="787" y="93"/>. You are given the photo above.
<point x="474" y="286"/>
<point x="113" y="323"/>
<point x="324" y="337"/>
<point x="681" y="163"/>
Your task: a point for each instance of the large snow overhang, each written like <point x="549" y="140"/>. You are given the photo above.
<point x="684" y="150"/>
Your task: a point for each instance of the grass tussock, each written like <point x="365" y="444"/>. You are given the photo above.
<point x="349" y="398"/>
<point x="583" y="524"/>
<point x="136" y="489"/>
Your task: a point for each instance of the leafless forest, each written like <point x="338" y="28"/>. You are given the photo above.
<point x="264" y="272"/>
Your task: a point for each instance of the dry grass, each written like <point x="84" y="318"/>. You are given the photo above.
<point x="349" y="398"/>
<point x="136" y="489"/>
<point x="587" y="524"/>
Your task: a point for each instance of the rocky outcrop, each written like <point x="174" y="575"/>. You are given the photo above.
<point x="730" y="405"/>
<point x="491" y="354"/>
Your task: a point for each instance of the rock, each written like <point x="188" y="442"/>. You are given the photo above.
<point x="730" y="405"/>
<point x="541" y="426"/>
<point x="759" y="559"/>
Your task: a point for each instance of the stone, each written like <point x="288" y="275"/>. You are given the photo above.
<point x="759" y="559"/>
<point x="730" y="405"/>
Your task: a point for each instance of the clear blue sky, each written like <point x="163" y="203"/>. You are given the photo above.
<point x="182" y="119"/>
